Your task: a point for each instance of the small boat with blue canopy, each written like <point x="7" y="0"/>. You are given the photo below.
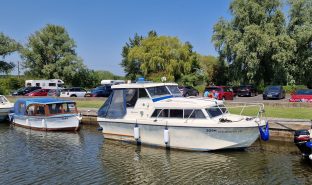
<point x="48" y="114"/>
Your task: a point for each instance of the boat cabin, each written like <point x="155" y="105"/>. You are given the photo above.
<point x="44" y="107"/>
<point x="3" y="99"/>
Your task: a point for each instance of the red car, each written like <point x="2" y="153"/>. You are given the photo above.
<point x="38" y="92"/>
<point x="223" y="92"/>
<point x="302" y="95"/>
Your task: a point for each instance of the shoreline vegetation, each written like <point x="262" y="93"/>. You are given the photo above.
<point x="274" y="110"/>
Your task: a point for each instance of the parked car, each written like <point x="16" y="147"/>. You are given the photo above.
<point x="274" y="92"/>
<point x="54" y="92"/>
<point x="101" y="91"/>
<point x="188" y="91"/>
<point x="24" y="90"/>
<point x="302" y="95"/>
<point x="73" y="92"/>
<point x="235" y="88"/>
<point x="247" y="90"/>
<point x="224" y="92"/>
<point x="38" y="92"/>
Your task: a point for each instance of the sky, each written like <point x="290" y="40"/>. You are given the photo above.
<point x="101" y="28"/>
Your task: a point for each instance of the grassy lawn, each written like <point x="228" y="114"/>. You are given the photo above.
<point x="89" y="104"/>
<point x="278" y="112"/>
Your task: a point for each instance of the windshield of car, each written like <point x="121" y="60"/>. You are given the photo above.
<point x="158" y="91"/>
<point x="216" y="111"/>
<point x="174" y="90"/>
<point x="21" y="89"/>
<point x="304" y="92"/>
<point x="273" y="88"/>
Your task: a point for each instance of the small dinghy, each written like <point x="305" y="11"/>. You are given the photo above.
<point x="48" y="114"/>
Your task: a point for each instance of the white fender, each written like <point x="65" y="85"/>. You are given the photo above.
<point x="310" y="156"/>
<point x="166" y="136"/>
<point x="43" y="124"/>
<point x="136" y="131"/>
<point x="27" y="122"/>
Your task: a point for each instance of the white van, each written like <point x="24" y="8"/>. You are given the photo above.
<point x="45" y="84"/>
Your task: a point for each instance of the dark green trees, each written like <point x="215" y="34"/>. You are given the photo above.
<point x="7" y="46"/>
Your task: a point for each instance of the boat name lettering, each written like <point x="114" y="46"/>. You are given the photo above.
<point x="223" y="131"/>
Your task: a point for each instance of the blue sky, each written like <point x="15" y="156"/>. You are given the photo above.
<point x="101" y="28"/>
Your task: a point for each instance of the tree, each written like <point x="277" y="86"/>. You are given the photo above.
<point x="255" y="43"/>
<point x="131" y="67"/>
<point x="50" y="53"/>
<point x="210" y="67"/>
<point x="300" y="29"/>
<point x="7" y="46"/>
<point x="157" y="56"/>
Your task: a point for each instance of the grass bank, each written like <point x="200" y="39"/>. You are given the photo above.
<point x="278" y="112"/>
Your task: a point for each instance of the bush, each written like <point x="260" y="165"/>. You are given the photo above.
<point x="293" y="88"/>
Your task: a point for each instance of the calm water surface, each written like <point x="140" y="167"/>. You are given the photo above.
<point x="34" y="157"/>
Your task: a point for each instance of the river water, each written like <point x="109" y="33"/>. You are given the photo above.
<point x="35" y="157"/>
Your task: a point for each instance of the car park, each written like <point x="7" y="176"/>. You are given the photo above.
<point x="274" y="92"/>
<point x="101" y="91"/>
<point x="73" y="92"/>
<point x="223" y="92"/>
<point x="38" y="92"/>
<point x="247" y="90"/>
<point x="24" y="90"/>
<point x="301" y="95"/>
<point x="54" y="92"/>
<point x="188" y="91"/>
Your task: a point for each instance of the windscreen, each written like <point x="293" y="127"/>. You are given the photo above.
<point x="216" y="110"/>
<point x="158" y="91"/>
<point x="174" y="90"/>
<point x="304" y="92"/>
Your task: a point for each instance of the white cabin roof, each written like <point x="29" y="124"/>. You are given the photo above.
<point x="140" y="85"/>
<point x="186" y="103"/>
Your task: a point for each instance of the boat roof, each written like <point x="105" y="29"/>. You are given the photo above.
<point x="140" y="85"/>
<point x="29" y="101"/>
<point x="187" y="103"/>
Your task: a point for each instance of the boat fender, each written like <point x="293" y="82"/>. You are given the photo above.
<point x="27" y="122"/>
<point x="265" y="134"/>
<point x="100" y="129"/>
<point x="43" y="123"/>
<point x="310" y="156"/>
<point x="309" y="144"/>
<point x="136" y="131"/>
<point x="166" y="136"/>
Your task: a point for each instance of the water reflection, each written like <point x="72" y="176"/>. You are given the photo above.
<point x="35" y="157"/>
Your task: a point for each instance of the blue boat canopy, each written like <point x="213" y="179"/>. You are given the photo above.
<point x="21" y="104"/>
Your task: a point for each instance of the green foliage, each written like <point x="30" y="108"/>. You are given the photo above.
<point x="50" y="53"/>
<point x="255" y="43"/>
<point x="300" y="29"/>
<point x="10" y="83"/>
<point x="210" y="66"/>
<point x="157" y="56"/>
<point x="7" y="46"/>
<point x="293" y="88"/>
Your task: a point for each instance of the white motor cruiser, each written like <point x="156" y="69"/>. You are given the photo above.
<point x="5" y="107"/>
<point x="156" y="114"/>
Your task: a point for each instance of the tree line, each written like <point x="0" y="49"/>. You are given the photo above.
<point x="50" y="53"/>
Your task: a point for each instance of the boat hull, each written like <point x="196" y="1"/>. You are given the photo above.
<point x="183" y="137"/>
<point x="59" y="123"/>
<point x="4" y="112"/>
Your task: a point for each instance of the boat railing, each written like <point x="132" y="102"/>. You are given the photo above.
<point x="260" y="113"/>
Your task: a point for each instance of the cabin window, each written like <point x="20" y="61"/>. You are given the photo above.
<point x="190" y="113"/>
<point x="3" y="99"/>
<point x="143" y="93"/>
<point x="30" y="110"/>
<point x="131" y="97"/>
<point x="69" y="108"/>
<point x="174" y="90"/>
<point x="164" y="113"/>
<point x="37" y="84"/>
<point x="28" y="84"/>
<point x="176" y="113"/>
<point x="52" y="84"/>
<point x="216" y="110"/>
<point x="40" y="110"/>
<point x="55" y="108"/>
<point x="21" y="108"/>
<point x="158" y="91"/>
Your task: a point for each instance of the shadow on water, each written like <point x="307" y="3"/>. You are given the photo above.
<point x="35" y="157"/>
<point x="263" y="163"/>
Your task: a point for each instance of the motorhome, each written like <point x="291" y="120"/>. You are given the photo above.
<point x="45" y="84"/>
<point x="112" y="82"/>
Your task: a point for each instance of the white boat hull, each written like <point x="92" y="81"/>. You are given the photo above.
<point x="4" y="112"/>
<point x="183" y="137"/>
<point x="53" y="123"/>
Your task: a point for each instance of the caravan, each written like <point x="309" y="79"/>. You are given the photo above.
<point x="45" y="84"/>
